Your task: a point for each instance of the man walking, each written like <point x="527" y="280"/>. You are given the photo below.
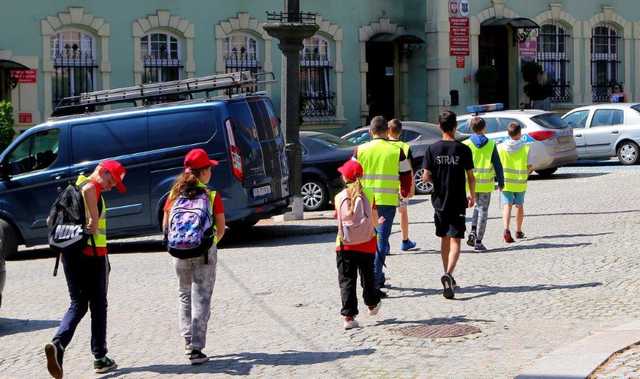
<point x="386" y="168"/>
<point x="486" y="169"/>
<point x="446" y="162"/>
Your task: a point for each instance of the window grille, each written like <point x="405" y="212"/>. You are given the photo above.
<point x="553" y="56"/>
<point x="605" y="61"/>
<point x="74" y="64"/>
<point x="161" y="57"/>
<point x="317" y="98"/>
<point x="241" y="54"/>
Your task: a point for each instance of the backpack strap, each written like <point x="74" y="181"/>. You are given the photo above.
<point x="340" y="229"/>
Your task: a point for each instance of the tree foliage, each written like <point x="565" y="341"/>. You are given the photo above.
<point x="6" y="124"/>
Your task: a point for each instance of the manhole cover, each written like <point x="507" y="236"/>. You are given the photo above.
<point x="437" y="331"/>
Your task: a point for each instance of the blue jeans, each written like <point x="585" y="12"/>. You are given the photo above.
<point x="384" y="231"/>
<point x="88" y="280"/>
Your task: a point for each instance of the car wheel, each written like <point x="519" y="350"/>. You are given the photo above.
<point x="314" y="195"/>
<point x="422" y="188"/>
<point x="8" y="241"/>
<point x="628" y="153"/>
<point x="547" y="172"/>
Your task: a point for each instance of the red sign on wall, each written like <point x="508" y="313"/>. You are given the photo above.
<point x="459" y="62"/>
<point x="458" y="36"/>
<point x="25" y="118"/>
<point x="24" y="76"/>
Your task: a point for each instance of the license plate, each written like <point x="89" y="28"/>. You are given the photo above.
<point x="262" y="191"/>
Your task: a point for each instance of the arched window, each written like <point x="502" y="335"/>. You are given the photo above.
<point x="161" y="57"/>
<point x="605" y="61"/>
<point x="317" y="97"/>
<point x="241" y="53"/>
<point x="553" y="55"/>
<point x="73" y="54"/>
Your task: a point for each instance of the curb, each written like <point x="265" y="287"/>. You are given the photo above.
<point x="580" y="359"/>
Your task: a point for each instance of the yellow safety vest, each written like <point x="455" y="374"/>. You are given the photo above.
<point x="515" y="167"/>
<point x="380" y="160"/>
<point x="100" y="237"/>
<point x="482" y="166"/>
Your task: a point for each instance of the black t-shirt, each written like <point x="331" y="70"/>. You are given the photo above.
<point x="448" y="162"/>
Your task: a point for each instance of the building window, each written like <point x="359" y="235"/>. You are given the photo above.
<point x="161" y="57"/>
<point x="605" y="61"/>
<point x="317" y="98"/>
<point x="553" y="56"/>
<point x="74" y="64"/>
<point x="241" y="54"/>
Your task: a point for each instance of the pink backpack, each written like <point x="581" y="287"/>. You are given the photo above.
<point x="354" y="228"/>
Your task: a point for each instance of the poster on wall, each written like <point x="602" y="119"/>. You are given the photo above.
<point x="528" y="47"/>
<point x="458" y="36"/>
<point x="24" y="76"/>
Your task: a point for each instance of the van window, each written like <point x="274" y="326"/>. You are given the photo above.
<point x="169" y="129"/>
<point x="36" y="152"/>
<point x="107" y="139"/>
<point x="262" y="120"/>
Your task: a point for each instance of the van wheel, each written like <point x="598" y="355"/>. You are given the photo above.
<point x="628" y="153"/>
<point x="547" y="172"/>
<point x="314" y="195"/>
<point x="8" y="241"/>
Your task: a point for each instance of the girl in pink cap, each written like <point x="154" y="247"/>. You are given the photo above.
<point x="196" y="276"/>
<point x="355" y="245"/>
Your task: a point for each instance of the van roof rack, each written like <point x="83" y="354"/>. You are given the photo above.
<point x="87" y="102"/>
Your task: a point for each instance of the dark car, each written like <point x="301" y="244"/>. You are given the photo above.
<point x="417" y="134"/>
<point x="242" y="133"/>
<point x="322" y="154"/>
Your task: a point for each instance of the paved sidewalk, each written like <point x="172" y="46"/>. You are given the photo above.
<point x="276" y="301"/>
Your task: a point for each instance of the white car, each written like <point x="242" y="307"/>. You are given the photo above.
<point x="551" y="139"/>
<point x="607" y="130"/>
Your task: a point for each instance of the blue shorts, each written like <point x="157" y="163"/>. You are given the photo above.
<point x="513" y="198"/>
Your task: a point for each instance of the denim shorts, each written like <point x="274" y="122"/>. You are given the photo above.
<point x="513" y="198"/>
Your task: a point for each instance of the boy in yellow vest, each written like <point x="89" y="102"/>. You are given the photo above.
<point x="514" y="155"/>
<point x="395" y="130"/>
<point x="486" y="168"/>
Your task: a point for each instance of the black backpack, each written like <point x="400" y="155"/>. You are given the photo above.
<point x="67" y="222"/>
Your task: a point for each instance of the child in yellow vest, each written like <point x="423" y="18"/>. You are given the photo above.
<point x="514" y="155"/>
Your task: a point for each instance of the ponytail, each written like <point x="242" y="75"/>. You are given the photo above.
<point x="185" y="183"/>
<point x="354" y="189"/>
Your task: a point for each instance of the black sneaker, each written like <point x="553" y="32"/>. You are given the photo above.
<point x="520" y="235"/>
<point x="455" y="284"/>
<point x="382" y="294"/>
<point x="54" y="353"/>
<point x="471" y="241"/>
<point x="197" y="357"/>
<point x="447" y="285"/>
<point x="104" y="364"/>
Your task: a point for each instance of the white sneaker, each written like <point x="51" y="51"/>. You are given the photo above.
<point x="350" y="324"/>
<point x="374" y="311"/>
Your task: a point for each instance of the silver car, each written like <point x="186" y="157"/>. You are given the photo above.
<point x="607" y="130"/>
<point x="551" y="139"/>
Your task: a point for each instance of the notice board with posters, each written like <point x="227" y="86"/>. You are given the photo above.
<point x="458" y="36"/>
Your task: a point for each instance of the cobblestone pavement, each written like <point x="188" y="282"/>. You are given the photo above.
<point x="276" y="301"/>
<point x="625" y="364"/>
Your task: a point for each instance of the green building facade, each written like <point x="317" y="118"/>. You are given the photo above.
<point x="389" y="57"/>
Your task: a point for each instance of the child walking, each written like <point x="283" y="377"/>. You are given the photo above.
<point x="446" y="162"/>
<point x="514" y="155"/>
<point x="87" y="273"/>
<point x="195" y="268"/>
<point x="355" y="245"/>
<point x="486" y="168"/>
<point x="395" y="130"/>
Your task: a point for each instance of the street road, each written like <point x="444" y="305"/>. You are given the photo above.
<point x="276" y="301"/>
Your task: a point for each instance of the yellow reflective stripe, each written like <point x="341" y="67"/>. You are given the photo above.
<point x="484" y="181"/>
<point x="380" y="177"/>
<point x="483" y="170"/>
<point x="515" y="181"/>
<point x="515" y="171"/>
<point x="385" y="190"/>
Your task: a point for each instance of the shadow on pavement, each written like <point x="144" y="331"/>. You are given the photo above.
<point x="431" y="321"/>
<point x="243" y="363"/>
<point x="9" y="326"/>
<point x="569" y="236"/>
<point x="482" y="290"/>
<point x="573" y="175"/>
<point x="535" y="246"/>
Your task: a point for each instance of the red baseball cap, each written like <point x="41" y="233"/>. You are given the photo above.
<point x="351" y="170"/>
<point x="117" y="172"/>
<point x="197" y="159"/>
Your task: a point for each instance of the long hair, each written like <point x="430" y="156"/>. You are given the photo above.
<point x="185" y="183"/>
<point x="354" y="189"/>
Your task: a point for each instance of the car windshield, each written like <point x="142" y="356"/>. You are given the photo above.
<point x="550" y="121"/>
<point x="636" y="108"/>
<point x="332" y="141"/>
